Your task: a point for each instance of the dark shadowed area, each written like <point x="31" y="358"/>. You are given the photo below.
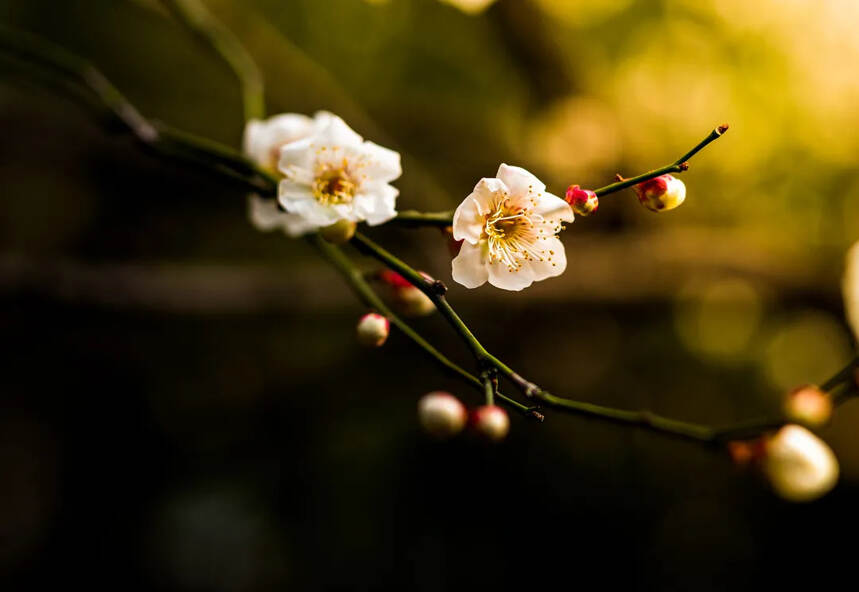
<point x="183" y="405"/>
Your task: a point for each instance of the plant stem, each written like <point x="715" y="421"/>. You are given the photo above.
<point x="847" y="373"/>
<point x="414" y="218"/>
<point x="369" y="297"/>
<point x="197" y="18"/>
<point x="678" y="166"/>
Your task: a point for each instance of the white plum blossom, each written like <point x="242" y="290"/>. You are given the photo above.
<point x="264" y="139"/>
<point x="334" y="174"/>
<point x="509" y="227"/>
<point x="262" y="143"/>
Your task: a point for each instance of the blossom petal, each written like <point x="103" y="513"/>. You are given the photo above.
<point x="555" y="262"/>
<point x="519" y="181"/>
<point x="263" y="139"/>
<point x="335" y="133"/>
<point x="266" y="216"/>
<point x="502" y="277"/>
<point x="380" y="163"/>
<point x="554" y="208"/>
<point x="468" y="221"/>
<point x="469" y="268"/>
<point x="296" y="160"/>
<point x="377" y="204"/>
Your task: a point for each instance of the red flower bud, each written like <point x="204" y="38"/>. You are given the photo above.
<point x="583" y="201"/>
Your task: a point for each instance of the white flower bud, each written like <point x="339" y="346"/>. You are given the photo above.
<point x="340" y="232"/>
<point x="661" y="193"/>
<point x="373" y="330"/>
<point x="441" y="414"/>
<point x="414" y="303"/>
<point x="491" y="422"/>
<point x="799" y="465"/>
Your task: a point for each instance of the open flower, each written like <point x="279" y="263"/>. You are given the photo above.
<point x="334" y="174"/>
<point x="508" y="226"/>
<point x="262" y="143"/>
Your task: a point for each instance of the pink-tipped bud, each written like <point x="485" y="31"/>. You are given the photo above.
<point x="491" y="422"/>
<point x="408" y="299"/>
<point x="808" y="405"/>
<point x="373" y="330"/>
<point x="661" y="193"/>
<point x="340" y="232"/>
<point x="441" y="415"/>
<point x="583" y="201"/>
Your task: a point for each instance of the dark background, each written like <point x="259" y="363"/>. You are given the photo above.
<point x="183" y="407"/>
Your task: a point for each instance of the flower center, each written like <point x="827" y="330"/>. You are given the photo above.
<point x="333" y="186"/>
<point x="512" y="235"/>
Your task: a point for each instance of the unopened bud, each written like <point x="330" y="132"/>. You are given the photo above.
<point x="340" y="232"/>
<point x="373" y="330"/>
<point x="583" y="201"/>
<point x="661" y="193"/>
<point x="491" y="422"/>
<point x="414" y="303"/>
<point x="799" y="465"/>
<point x="808" y="405"/>
<point x="408" y="298"/>
<point x="441" y="414"/>
<point x="746" y="452"/>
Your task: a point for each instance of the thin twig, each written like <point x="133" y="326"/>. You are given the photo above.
<point x="678" y="166"/>
<point x="369" y="297"/>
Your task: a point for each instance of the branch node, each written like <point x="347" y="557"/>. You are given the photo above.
<point x="683" y="166"/>
<point x="722" y="129"/>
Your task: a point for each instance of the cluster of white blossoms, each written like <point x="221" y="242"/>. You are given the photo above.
<point x="328" y="173"/>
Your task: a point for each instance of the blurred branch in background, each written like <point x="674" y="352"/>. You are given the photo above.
<point x="609" y="270"/>
<point x="194" y="15"/>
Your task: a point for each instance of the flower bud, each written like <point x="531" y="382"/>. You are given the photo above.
<point x="745" y="452"/>
<point x="441" y="414"/>
<point x="414" y="303"/>
<point x="491" y="422"/>
<point x="799" y="465"/>
<point x="408" y="298"/>
<point x="373" y="330"/>
<point x="340" y="232"/>
<point x="808" y="405"/>
<point x="583" y="201"/>
<point x="661" y="193"/>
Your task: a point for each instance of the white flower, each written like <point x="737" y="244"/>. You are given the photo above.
<point x="264" y="139"/>
<point x="262" y="143"/>
<point x="333" y="174"/>
<point x="509" y="225"/>
<point x="800" y="466"/>
<point x="850" y="287"/>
